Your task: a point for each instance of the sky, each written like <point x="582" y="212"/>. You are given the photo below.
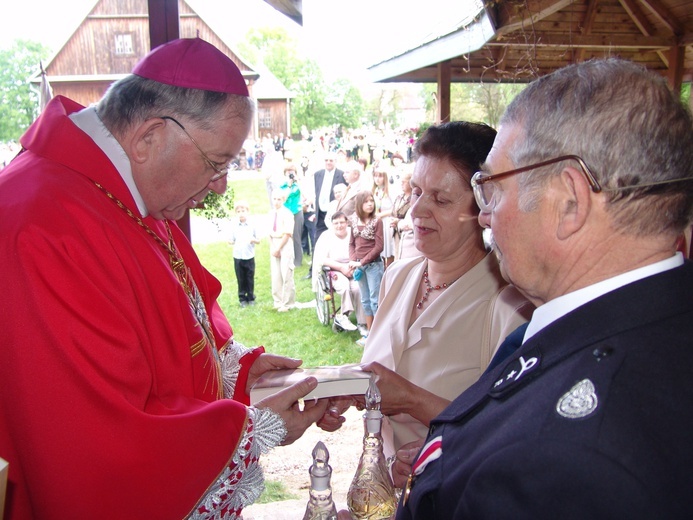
<point x="343" y="36"/>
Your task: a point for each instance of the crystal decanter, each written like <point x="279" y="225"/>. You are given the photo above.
<point x="320" y="505"/>
<point x="372" y="494"/>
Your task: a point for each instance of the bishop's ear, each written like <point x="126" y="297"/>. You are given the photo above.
<point x="145" y="138"/>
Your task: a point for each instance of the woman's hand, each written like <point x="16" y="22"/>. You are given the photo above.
<point x="399" y="395"/>
<point x="333" y="419"/>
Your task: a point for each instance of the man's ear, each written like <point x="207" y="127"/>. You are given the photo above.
<point x="144" y="139"/>
<point x="575" y="202"/>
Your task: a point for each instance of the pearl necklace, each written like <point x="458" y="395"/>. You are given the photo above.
<point x="430" y="288"/>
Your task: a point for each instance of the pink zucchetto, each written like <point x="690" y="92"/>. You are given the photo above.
<point x="192" y="63"/>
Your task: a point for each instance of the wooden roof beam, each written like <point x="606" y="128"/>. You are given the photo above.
<point x="593" y="41"/>
<point x="511" y="16"/>
<point x="639" y="19"/>
<point x="665" y="16"/>
<point x="587" y="25"/>
<point x="590" y="16"/>
<point x="643" y="24"/>
<point x="292" y="9"/>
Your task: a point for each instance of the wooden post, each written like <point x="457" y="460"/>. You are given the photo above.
<point x="443" y="106"/>
<point x="163" y="27"/>
<point x="163" y="21"/>
<point x="675" y="76"/>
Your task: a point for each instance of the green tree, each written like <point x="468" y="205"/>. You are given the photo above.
<point x="494" y="98"/>
<point x="383" y="108"/>
<point x="484" y="102"/>
<point x="18" y="100"/>
<point x="345" y="104"/>
<point x="309" y="106"/>
<point x="316" y="103"/>
<point x="276" y="49"/>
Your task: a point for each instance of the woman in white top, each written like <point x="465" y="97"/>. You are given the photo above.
<point x="441" y="316"/>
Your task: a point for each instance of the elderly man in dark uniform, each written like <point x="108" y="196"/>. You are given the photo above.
<point x="586" y="190"/>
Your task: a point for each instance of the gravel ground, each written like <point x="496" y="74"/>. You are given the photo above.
<point x="289" y="464"/>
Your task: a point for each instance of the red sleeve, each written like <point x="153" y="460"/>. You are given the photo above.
<point x="241" y="394"/>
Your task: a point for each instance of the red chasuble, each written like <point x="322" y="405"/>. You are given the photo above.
<point x="111" y="400"/>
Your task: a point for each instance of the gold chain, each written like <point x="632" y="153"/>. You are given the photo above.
<point x="186" y="280"/>
<point x="176" y="260"/>
<point x="171" y="252"/>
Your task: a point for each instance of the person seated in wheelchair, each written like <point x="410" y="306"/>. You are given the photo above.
<point x="332" y="250"/>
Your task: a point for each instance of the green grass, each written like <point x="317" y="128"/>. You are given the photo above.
<point x="297" y="333"/>
<point x="274" y="492"/>
<point x="252" y="190"/>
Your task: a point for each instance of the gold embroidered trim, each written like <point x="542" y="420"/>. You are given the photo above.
<point x="198" y="347"/>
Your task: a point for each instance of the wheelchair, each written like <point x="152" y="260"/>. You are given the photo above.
<point x="325" y="305"/>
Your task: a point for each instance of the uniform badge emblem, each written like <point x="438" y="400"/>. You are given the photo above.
<point x="579" y="401"/>
<point x="516" y="371"/>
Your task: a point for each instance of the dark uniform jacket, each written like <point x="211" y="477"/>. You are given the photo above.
<point x="592" y="418"/>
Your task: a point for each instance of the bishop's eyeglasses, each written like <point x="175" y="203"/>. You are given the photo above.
<point x="221" y="170"/>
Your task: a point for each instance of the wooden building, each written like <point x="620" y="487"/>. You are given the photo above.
<point x="114" y="36"/>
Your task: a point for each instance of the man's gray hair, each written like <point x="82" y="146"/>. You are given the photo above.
<point x="134" y="99"/>
<point x="628" y="127"/>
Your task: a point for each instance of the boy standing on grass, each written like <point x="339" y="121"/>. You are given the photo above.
<point x="243" y="238"/>
<point x="282" y="253"/>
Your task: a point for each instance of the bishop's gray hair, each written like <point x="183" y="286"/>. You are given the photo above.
<point x="134" y="99"/>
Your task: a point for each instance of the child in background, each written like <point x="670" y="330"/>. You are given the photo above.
<point x="243" y="238"/>
<point x="282" y="253"/>
<point x="365" y="248"/>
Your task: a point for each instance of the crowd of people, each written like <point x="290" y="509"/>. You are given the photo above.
<point x="339" y="181"/>
<point x="547" y="377"/>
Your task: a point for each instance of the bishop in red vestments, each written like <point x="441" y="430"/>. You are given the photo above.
<point x="124" y="392"/>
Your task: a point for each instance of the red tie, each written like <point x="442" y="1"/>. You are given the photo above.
<point x="275" y="221"/>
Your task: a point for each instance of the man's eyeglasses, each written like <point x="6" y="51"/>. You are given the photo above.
<point x="221" y="170"/>
<point x="484" y="186"/>
<point x="485" y="189"/>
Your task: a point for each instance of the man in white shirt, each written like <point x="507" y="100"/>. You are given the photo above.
<point x="325" y="181"/>
<point x="587" y="190"/>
